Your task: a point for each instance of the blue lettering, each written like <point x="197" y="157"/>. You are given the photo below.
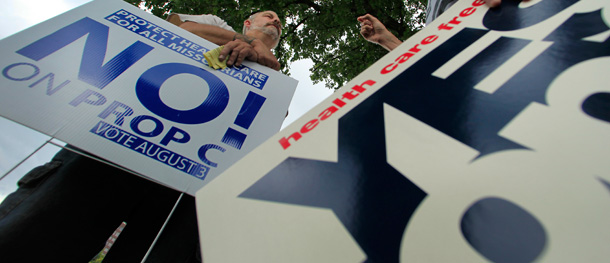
<point x="204" y="149"/>
<point x="136" y="122"/>
<point x="144" y="147"/>
<point x="50" y="89"/>
<point x="170" y="136"/>
<point x="249" y="110"/>
<point x="92" y="70"/>
<point x="120" y="115"/>
<point x="35" y="72"/>
<point x="149" y="85"/>
<point x="89" y="97"/>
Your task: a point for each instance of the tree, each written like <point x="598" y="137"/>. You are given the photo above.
<point x="324" y="31"/>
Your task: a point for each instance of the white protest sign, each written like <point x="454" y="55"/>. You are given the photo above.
<point x="482" y="138"/>
<point x="133" y="89"/>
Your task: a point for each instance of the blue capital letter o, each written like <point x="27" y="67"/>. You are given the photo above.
<point x="149" y="85"/>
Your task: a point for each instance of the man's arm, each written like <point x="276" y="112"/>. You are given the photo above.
<point x="237" y="46"/>
<point x="236" y="50"/>
<point x="245" y="47"/>
<point x="375" y="32"/>
<point x="264" y="55"/>
<point x="494" y="3"/>
<point x="214" y="34"/>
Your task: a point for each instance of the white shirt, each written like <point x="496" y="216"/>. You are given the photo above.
<point x="206" y="20"/>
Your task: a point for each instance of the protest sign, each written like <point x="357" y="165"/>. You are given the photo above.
<point x="131" y="88"/>
<point x="484" y="137"/>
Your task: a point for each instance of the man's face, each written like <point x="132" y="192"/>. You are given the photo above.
<point x="268" y="22"/>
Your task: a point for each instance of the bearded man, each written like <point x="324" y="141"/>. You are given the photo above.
<point x="261" y="33"/>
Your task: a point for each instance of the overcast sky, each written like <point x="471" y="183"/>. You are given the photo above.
<point x="18" y="142"/>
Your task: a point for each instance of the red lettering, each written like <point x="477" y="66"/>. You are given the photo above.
<point x="285" y="143"/>
<point x="386" y="70"/>
<point x="327" y="113"/>
<point x="429" y="39"/>
<point x="415" y="49"/>
<point x="444" y="27"/>
<point x="362" y="89"/>
<point x="478" y="3"/>
<point x="359" y="88"/>
<point x="447" y="27"/>
<point x="401" y="59"/>
<point x="404" y="57"/>
<point x="309" y="126"/>
<point x="339" y="103"/>
<point x="454" y="21"/>
<point x="349" y="95"/>
<point x="467" y="11"/>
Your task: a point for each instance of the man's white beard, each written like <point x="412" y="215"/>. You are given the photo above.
<point x="272" y="32"/>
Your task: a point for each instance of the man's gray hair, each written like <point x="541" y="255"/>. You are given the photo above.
<point x="250" y="18"/>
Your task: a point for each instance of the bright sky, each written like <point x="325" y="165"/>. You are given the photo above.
<point x="18" y="142"/>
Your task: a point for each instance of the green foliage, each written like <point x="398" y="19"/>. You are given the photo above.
<point x="324" y="31"/>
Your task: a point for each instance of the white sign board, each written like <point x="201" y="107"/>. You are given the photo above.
<point x="482" y="138"/>
<point x="136" y="90"/>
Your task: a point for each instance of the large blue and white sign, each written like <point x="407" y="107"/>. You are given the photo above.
<point x="133" y="89"/>
<point x="483" y="138"/>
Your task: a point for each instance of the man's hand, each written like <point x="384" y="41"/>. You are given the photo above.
<point x="237" y="51"/>
<point x="265" y="57"/>
<point x="374" y="31"/>
<point x="492" y="3"/>
<point x="370" y="28"/>
<point x="495" y="3"/>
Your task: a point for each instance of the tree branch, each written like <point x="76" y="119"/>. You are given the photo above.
<point x="335" y="56"/>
